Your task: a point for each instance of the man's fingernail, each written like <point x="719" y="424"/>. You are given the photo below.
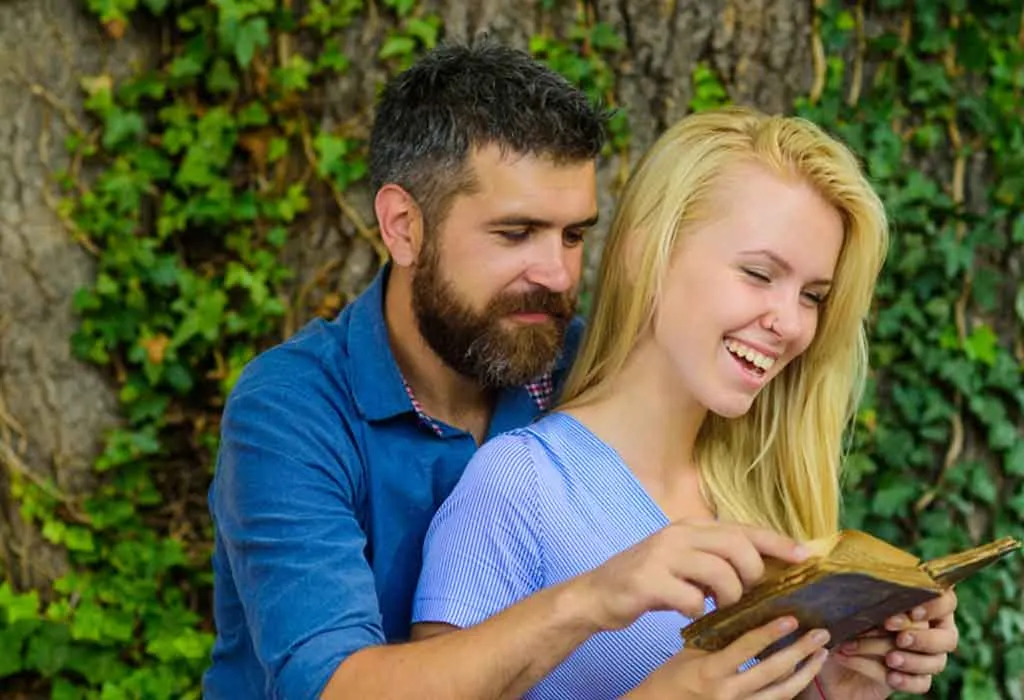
<point x="787" y="624"/>
<point x="918" y="614"/>
<point x="896" y="660"/>
<point x="819" y="636"/>
<point x="905" y="639"/>
<point x="801" y="552"/>
<point x="848" y="647"/>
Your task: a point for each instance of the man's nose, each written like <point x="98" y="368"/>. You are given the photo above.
<point x="553" y="265"/>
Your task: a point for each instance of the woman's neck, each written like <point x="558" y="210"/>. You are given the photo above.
<point x="653" y="424"/>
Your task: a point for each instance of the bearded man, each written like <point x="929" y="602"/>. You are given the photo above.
<point x="340" y="444"/>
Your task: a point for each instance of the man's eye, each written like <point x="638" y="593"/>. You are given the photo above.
<point x="757" y="274"/>
<point x="573" y="237"/>
<point x="514" y="235"/>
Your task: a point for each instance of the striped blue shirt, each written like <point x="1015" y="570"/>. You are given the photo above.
<point x="535" y="507"/>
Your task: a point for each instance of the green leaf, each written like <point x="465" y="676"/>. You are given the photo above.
<point x="1014" y="462"/>
<point x="12" y="641"/>
<point x="396" y="46"/>
<point x="982" y="485"/>
<point x="253" y="114"/>
<point x="277" y="149"/>
<point x="221" y="78"/>
<point x="18" y="606"/>
<point x="401" y="7"/>
<point x="894" y="498"/>
<point x="251" y="35"/>
<point x="423" y="29"/>
<point x="48" y="649"/>
<point x="79" y="539"/>
<point x="981" y="345"/>
<point x="121" y="126"/>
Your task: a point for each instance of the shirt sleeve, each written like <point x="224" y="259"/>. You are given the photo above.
<point x="284" y="503"/>
<point x="482" y="552"/>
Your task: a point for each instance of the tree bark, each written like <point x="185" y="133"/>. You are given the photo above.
<point x="53" y="409"/>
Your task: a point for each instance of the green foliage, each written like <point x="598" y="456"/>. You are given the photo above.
<point x="937" y="457"/>
<point x="196" y="190"/>
<point x="204" y="166"/>
<point x="585" y="57"/>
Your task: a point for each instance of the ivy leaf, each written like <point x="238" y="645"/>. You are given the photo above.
<point x="220" y="78"/>
<point x="894" y="498"/>
<point x="981" y="345"/>
<point x="48" y="649"/>
<point x="251" y="35"/>
<point x="401" y="7"/>
<point x="396" y="46"/>
<point x="423" y="29"/>
<point x="18" y="606"/>
<point x="982" y="485"/>
<point x="12" y="640"/>
<point x="157" y="7"/>
<point x="120" y="126"/>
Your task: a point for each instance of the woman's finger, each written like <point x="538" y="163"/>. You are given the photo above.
<point x="782" y="664"/>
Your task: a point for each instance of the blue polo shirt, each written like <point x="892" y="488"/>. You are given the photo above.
<point x="326" y="481"/>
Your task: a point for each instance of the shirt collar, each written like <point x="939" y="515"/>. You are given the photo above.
<point x="377" y="384"/>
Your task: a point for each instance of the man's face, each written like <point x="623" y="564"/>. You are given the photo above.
<point x="495" y="284"/>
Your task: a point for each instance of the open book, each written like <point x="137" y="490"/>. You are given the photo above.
<point x="851" y="583"/>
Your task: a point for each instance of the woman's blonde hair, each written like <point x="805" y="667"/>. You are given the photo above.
<point x="778" y="465"/>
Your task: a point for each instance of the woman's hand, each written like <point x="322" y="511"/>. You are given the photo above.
<point x="905" y="655"/>
<point x="698" y="675"/>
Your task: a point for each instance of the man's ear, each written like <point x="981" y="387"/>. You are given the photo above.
<point x="401" y="223"/>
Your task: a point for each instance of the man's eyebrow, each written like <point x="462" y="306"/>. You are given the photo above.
<point x="533" y="222"/>
<point x="783" y="264"/>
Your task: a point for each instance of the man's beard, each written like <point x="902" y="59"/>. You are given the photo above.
<point x="476" y="344"/>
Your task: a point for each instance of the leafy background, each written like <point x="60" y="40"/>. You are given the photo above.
<point x="193" y="175"/>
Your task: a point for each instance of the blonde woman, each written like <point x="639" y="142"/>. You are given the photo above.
<point x="724" y="359"/>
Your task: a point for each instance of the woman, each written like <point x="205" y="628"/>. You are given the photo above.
<point x="724" y="360"/>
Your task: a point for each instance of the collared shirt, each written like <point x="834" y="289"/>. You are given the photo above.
<point x="536" y="507"/>
<point x="326" y="481"/>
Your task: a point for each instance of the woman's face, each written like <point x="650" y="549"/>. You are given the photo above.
<point x="745" y="288"/>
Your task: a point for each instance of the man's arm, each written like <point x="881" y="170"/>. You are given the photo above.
<point x="285" y="504"/>
<point x="503" y="657"/>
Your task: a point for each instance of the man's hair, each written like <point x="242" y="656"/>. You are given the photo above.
<point x="460" y="97"/>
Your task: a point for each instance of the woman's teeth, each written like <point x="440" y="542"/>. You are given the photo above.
<point x="749" y="354"/>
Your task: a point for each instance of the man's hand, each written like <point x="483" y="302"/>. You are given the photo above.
<point x="677" y="567"/>
<point x="905" y="655"/>
<point x="697" y="675"/>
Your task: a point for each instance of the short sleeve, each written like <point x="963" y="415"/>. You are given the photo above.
<point x="284" y="504"/>
<point x="482" y="552"/>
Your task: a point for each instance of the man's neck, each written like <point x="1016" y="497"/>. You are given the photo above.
<point x="443" y="393"/>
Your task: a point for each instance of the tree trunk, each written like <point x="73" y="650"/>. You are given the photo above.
<point x="53" y="409"/>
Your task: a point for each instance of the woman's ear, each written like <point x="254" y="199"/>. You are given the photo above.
<point x="401" y="223"/>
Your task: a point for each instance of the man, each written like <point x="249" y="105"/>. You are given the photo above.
<point x="339" y="445"/>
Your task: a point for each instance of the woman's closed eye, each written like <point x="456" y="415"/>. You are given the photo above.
<point x="814" y="297"/>
<point x="759" y="275"/>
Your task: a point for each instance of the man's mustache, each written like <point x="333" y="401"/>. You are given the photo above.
<point x="560" y="305"/>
